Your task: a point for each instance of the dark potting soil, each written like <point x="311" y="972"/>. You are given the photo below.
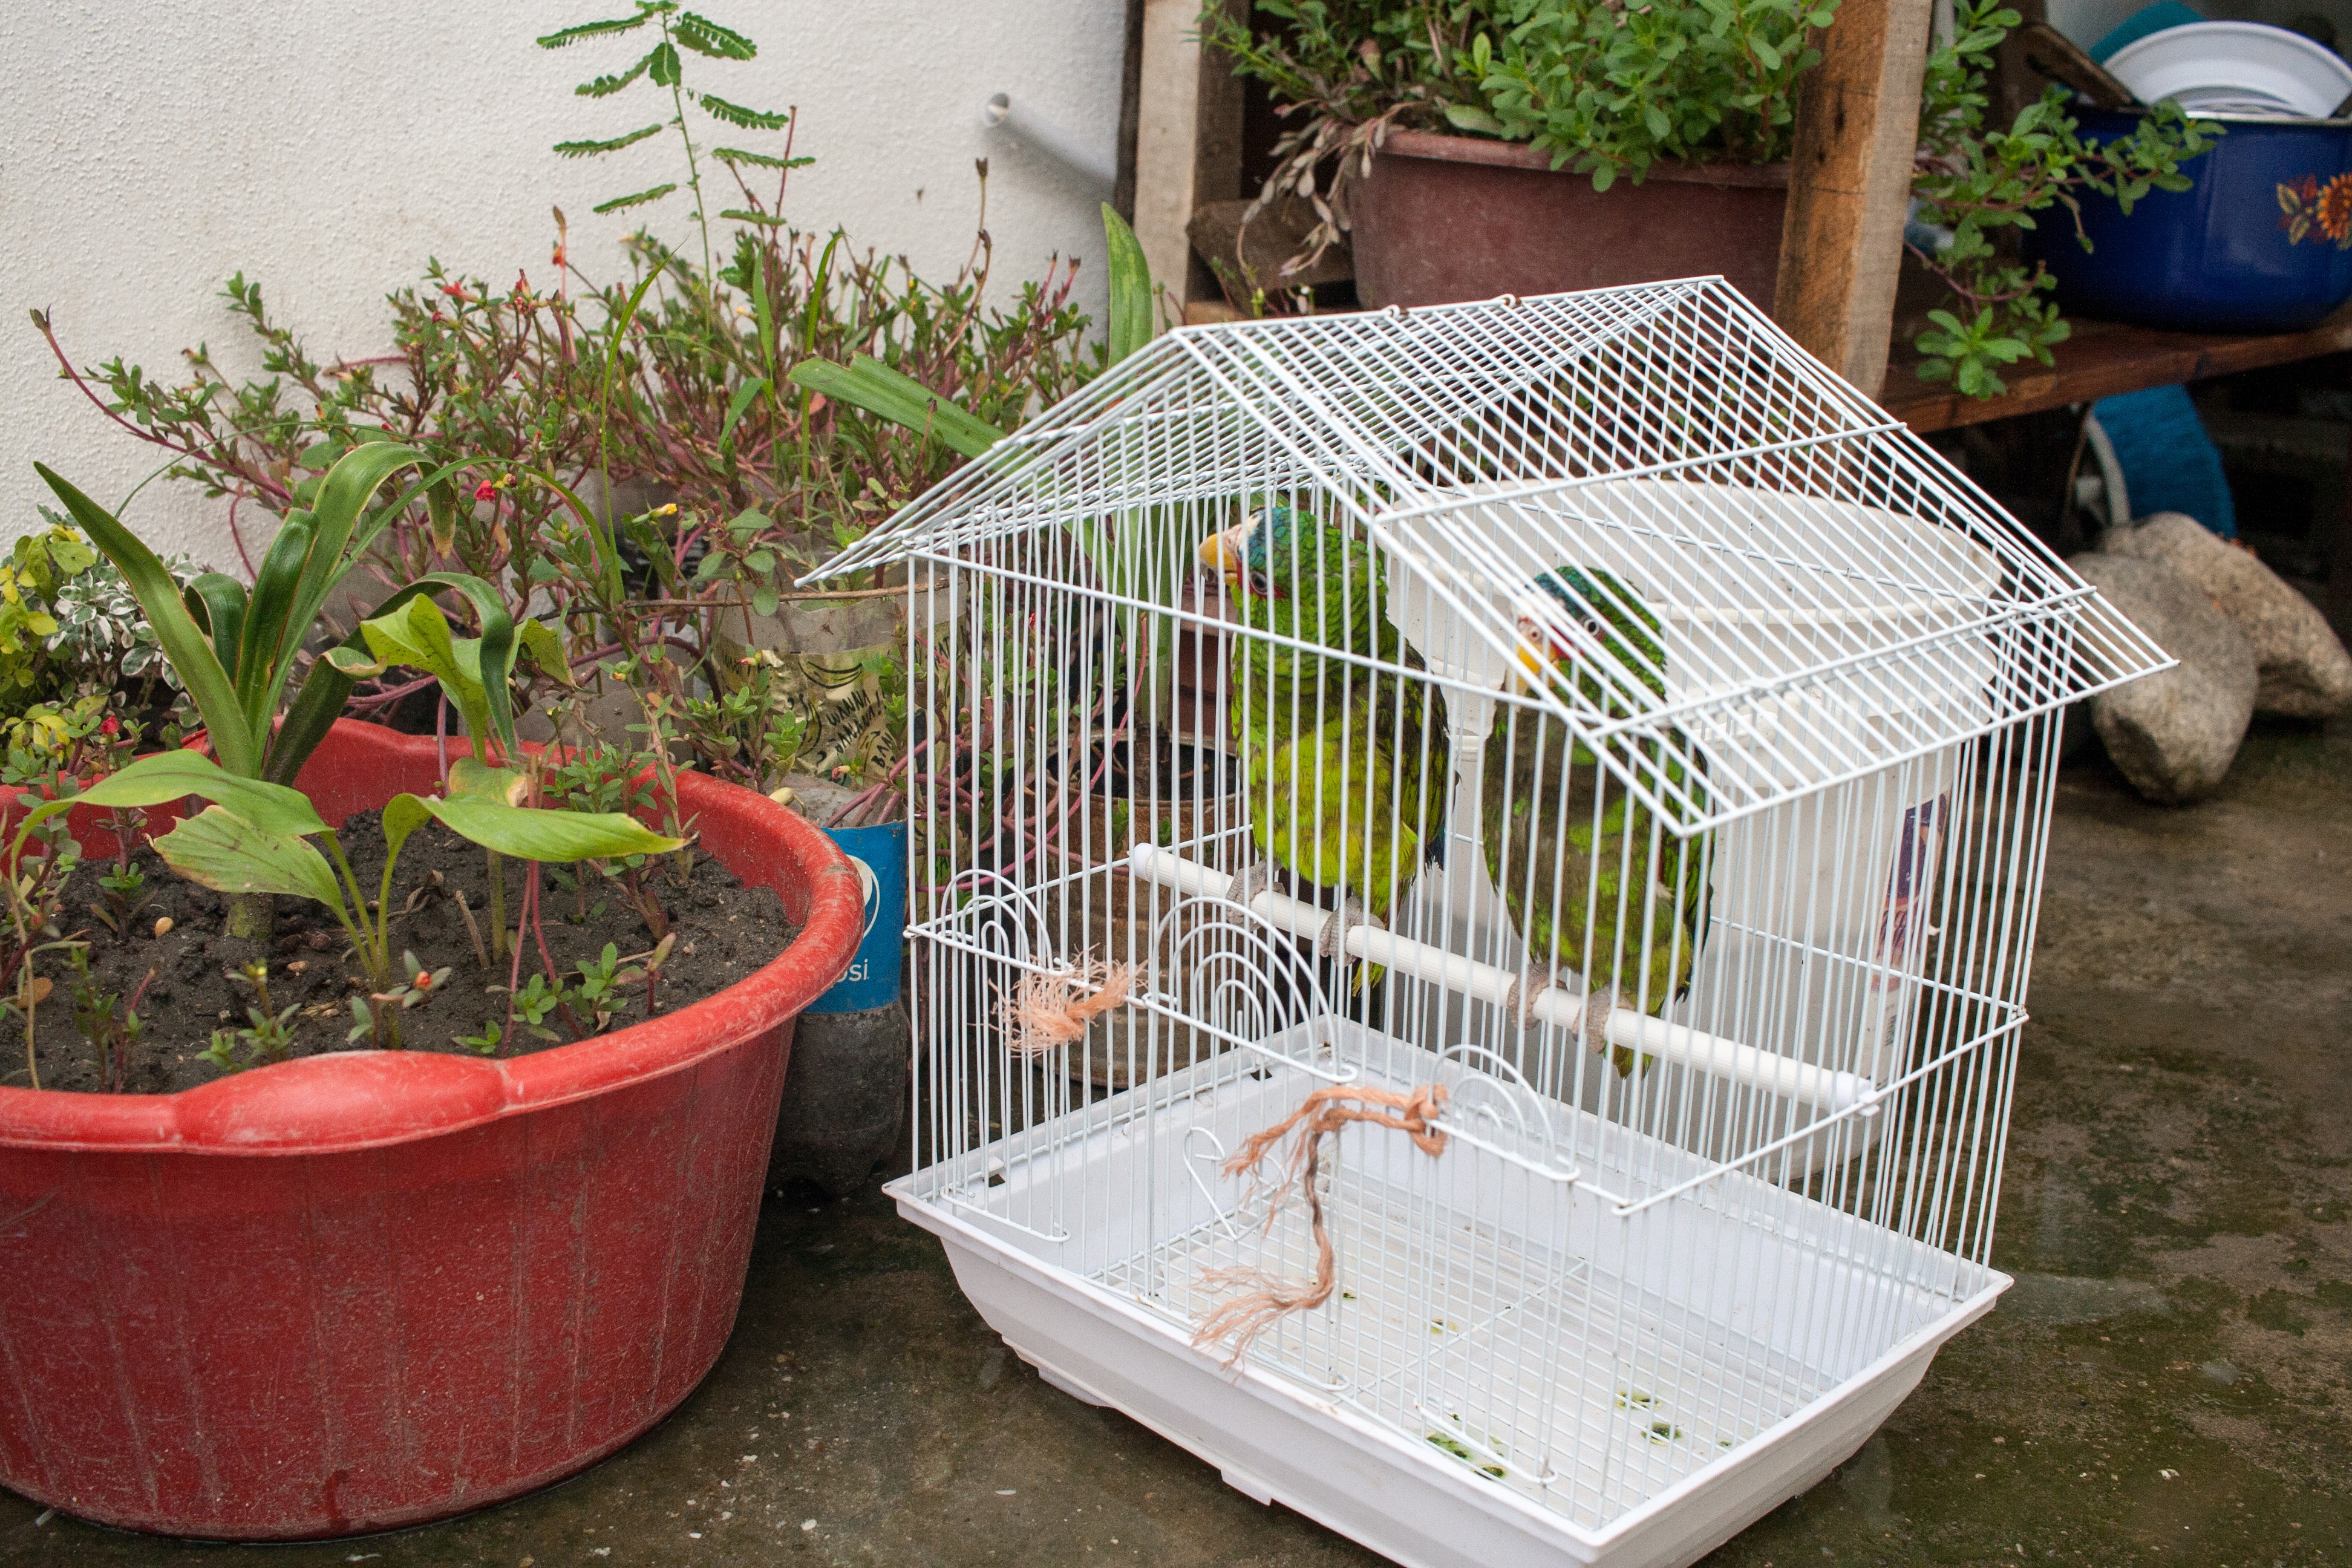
<point x="724" y="928"/>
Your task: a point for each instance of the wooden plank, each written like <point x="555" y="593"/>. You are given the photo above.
<point x="2104" y="359"/>
<point x="1850" y="184"/>
<point x="1130" y="108"/>
<point x="1279" y="233"/>
<point x="1188" y="144"/>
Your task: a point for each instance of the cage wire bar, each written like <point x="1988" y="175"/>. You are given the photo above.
<point x="1589" y="705"/>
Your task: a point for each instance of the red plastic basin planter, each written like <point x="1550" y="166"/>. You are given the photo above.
<point x="370" y="1288"/>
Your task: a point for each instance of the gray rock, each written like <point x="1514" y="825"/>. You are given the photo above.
<point x="814" y="798"/>
<point x="2174" y="734"/>
<point x="2305" y="673"/>
<point x="845" y="1102"/>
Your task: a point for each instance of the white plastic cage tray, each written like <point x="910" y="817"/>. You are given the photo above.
<point x="1512" y="1371"/>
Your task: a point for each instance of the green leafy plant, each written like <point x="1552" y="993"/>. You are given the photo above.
<point x="51" y="751"/>
<point x="535" y="1002"/>
<point x="1605" y="88"/>
<point x="112" y="1037"/>
<point x="866" y="382"/>
<point x="474" y="675"/>
<point x="70" y="629"/>
<point x="1612" y="89"/>
<point x="662" y="69"/>
<point x="236" y="649"/>
<point x="37" y="564"/>
<point x="254" y="840"/>
<point x="372" y="1014"/>
<point x="598" y="985"/>
<point x="266" y="1036"/>
<point x="749" y="715"/>
<point x="646" y="480"/>
<point x="1982" y="186"/>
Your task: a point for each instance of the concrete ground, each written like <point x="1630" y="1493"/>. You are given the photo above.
<point x="2169" y="1382"/>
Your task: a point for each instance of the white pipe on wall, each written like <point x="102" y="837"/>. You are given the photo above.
<point x="1017" y="120"/>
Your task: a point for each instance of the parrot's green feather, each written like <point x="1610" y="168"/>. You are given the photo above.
<point x="1589" y="880"/>
<point x="1348" y="766"/>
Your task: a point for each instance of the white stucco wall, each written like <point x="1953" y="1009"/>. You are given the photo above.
<point x="326" y="149"/>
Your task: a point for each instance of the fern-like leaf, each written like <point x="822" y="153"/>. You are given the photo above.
<point x="766" y="220"/>
<point x="591" y="149"/>
<point x="705" y="37"/>
<point x="763" y="160"/>
<point x="606" y="85"/>
<point x="594" y="30"/>
<point x="620" y="204"/>
<point x="735" y="114"/>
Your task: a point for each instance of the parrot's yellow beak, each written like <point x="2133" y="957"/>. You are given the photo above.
<point x="1533" y="640"/>
<point x="1224" y="550"/>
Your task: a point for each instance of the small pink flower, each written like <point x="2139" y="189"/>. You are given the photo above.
<point x="486" y="491"/>
<point x="110" y="727"/>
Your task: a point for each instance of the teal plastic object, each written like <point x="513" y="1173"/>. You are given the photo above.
<point x="2147" y="19"/>
<point x="2169" y="463"/>
<point x="878" y="855"/>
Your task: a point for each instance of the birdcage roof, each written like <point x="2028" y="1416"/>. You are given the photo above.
<point x="1829" y="595"/>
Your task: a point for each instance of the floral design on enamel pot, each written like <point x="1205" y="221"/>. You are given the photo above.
<point x="2305" y="205"/>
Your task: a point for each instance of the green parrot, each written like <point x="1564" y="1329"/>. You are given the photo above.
<point x="1348" y="768"/>
<point x="1569" y="848"/>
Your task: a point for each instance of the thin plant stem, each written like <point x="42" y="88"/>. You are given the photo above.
<point x="514" y="984"/>
<point x="693" y="178"/>
<point x="354" y="921"/>
<point x="26" y="1004"/>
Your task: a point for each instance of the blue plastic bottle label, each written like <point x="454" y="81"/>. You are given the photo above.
<point x="878" y="855"/>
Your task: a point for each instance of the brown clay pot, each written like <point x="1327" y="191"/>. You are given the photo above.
<point x="1445" y="218"/>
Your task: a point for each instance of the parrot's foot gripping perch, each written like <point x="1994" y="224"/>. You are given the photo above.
<point x="1330" y="942"/>
<point x="1595" y="1024"/>
<point x="1528" y="984"/>
<point x="1250" y="881"/>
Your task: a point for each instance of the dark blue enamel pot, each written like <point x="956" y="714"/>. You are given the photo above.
<point x="2261" y="243"/>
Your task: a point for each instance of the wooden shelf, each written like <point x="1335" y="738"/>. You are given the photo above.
<point x="2101" y="360"/>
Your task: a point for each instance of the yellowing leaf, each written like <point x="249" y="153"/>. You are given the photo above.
<point x="532" y="833"/>
<point x="171" y="775"/>
<point x="229" y="854"/>
<point x="469" y="777"/>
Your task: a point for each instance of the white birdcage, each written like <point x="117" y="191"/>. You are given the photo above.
<point x="1270" y="697"/>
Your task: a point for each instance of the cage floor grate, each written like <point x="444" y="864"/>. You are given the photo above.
<point x="1506" y="1356"/>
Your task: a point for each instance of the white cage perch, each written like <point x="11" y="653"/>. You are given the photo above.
<point x="1556" y="1004"/>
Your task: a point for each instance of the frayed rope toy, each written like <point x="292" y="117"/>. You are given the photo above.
<point x="1320" y="1114"/>
<point x="1047" y="1012"/>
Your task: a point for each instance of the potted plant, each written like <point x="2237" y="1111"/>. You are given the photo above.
<point x="327" y="1290"/>
<point x="1455" y="135"/>
<point x="652" y="482"/>
<point x="1978" y="188"/>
